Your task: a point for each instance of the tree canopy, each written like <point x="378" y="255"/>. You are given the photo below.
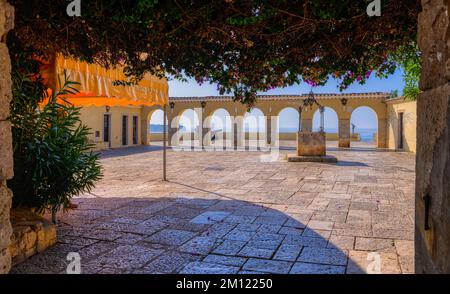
<point x="410" y="60"/>
<point x="244" y="46"/>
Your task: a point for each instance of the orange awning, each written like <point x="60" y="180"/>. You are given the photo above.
<point x="96" y="85"/>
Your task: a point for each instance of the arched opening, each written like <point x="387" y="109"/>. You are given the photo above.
<point x="254" y="126"/>
<point x="363" y="127"/>
<point x="288" y="126"/>
<point x="156" y="127"/>
<point x="331" y="123"/>
<point x="221" y="126"/>
<point x="188" y="125"/>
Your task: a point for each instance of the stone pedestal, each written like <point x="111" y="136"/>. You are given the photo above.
<point x="321" y="158"/>
<point x="311" y="147"/>
<point x="311" y="144"/>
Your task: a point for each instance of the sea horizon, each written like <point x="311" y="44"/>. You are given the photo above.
<point x="366" y="134"/>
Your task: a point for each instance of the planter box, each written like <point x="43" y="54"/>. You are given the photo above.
<point x="31" y="234"/>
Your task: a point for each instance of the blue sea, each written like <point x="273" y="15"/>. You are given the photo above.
<point x="367" y="135"/>
<point x="156" y="128"/>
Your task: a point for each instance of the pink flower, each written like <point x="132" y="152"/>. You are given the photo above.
<point x="311" y="83"/>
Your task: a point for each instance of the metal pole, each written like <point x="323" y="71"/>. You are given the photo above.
<point x="299" y="118"/>
<point x="322" y="121"/>
<point x="165" y="144"/>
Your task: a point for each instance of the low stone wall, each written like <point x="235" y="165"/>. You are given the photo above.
<point x="31" y="234"/>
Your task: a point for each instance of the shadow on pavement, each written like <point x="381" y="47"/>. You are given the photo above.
<point x="189" y="235"/>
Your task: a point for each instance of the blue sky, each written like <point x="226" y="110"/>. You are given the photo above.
<point x="191" y="88"/>
<point x="362" y="117"/>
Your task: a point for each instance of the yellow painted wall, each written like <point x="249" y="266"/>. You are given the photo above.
<point x="92" y="116"/>
<point x="409" y="109"/>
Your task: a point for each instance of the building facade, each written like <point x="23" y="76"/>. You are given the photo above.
<point x="115" y="112"/>
<point x="402" y="127"/>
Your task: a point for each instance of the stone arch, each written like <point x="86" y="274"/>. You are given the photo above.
<point x="146" y="114"/>
<point x="254" y="120"/>
<point x="188" y="126"/>
<point x="155" y="127"/>
<point x="221" y="120"/>
<point x="220" y="125"/>
<point x="189" y="120"/>
<point x="364" y="120"/>
<point x="288" y="123"/>
<point x="331" y="121"/>
<point x="254" y="126"/>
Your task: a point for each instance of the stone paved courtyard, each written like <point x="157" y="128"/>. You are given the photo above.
<point x="228" y="212"/>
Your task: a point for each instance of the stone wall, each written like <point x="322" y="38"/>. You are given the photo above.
<point x="433" y="141"/>
<point x="32" y="234"/>
<point x="6" y="158"/>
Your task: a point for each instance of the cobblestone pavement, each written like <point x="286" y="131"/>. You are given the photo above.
<point x="228" y="212"/>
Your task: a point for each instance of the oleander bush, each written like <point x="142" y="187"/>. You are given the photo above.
<point x="53" y="160"/>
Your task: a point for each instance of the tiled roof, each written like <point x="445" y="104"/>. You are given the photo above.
<point x="371" y="95"/>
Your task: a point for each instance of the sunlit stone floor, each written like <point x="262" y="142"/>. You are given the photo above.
<point x="230" y="212"/>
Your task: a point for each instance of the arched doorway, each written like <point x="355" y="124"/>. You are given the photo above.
<point x="254" y="127"/>
<point x="221" y="127"/>
<point x="188" y="125"/>
<point x="331" y="123"/>
<point x="288" y="126"/>
<point x="363" y="127"/>
<point x="156" y="127"/>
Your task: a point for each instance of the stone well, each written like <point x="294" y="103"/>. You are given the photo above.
<point x="311" y="147"/>
<point x="311" y="144"/>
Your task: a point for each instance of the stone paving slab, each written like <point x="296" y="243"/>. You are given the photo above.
<point x="208" y="268"/>
<point x="170" y="237"/>
<point x="323" y="256"/>
<point x="228" y="212"/>
<point x="170" y="262"/>
<point x="225" y="260"/>
<point x="200" y="245"/>
<point x="288" y="252"/>
<point x="250" y="251"/>
<point x="311" y="268"/>
<point x="268" y="266"/>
